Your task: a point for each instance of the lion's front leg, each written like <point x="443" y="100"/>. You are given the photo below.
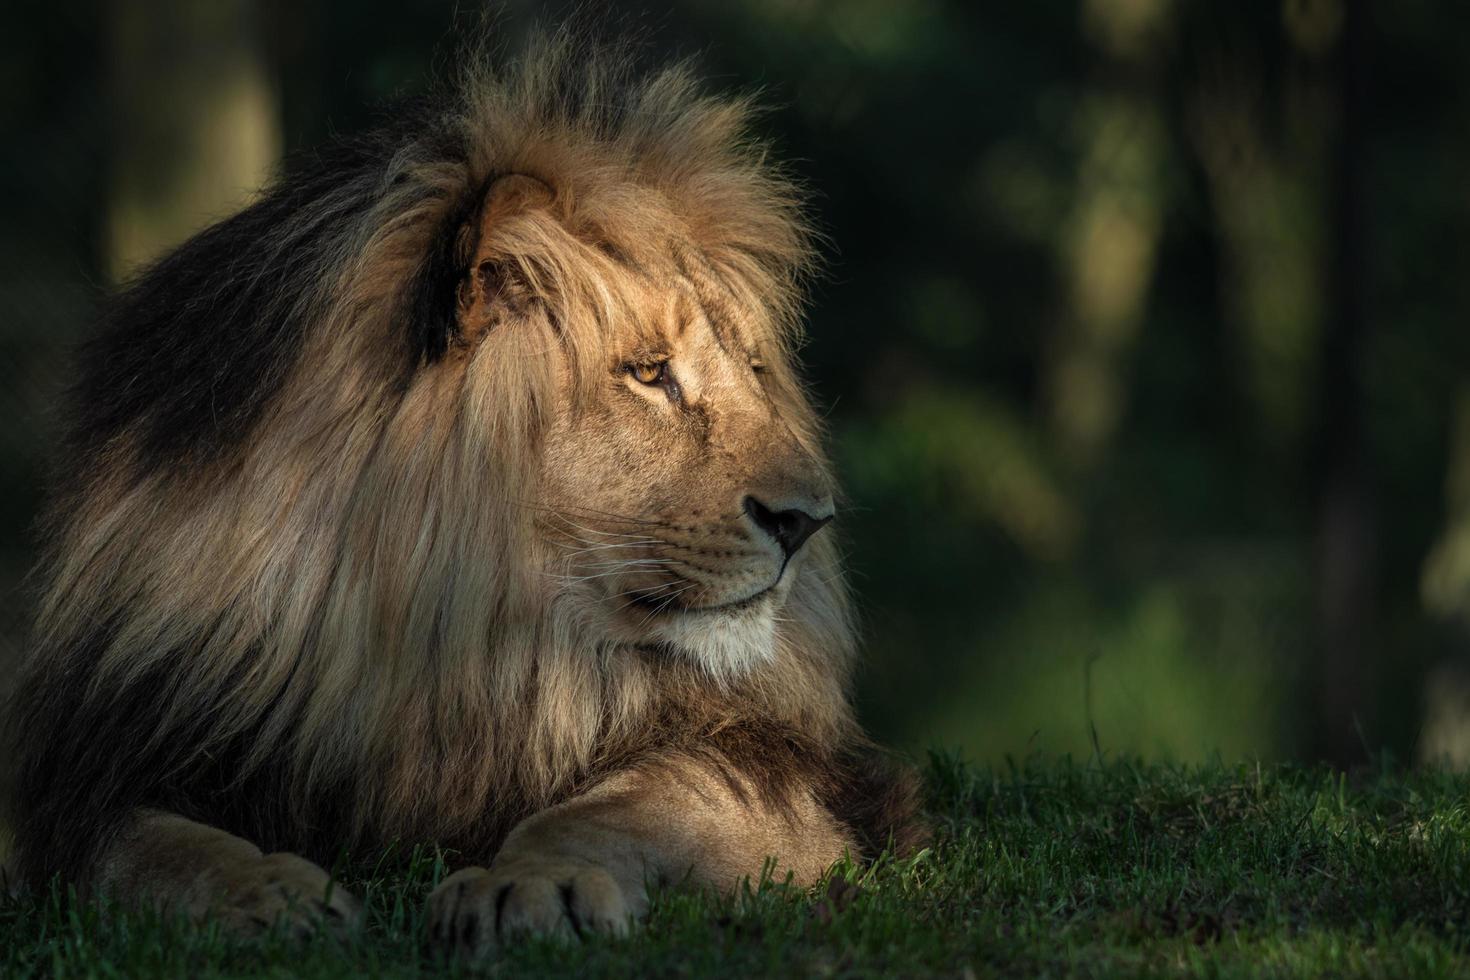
<point x="166" y="861"/>
<point x="585" y="865"/>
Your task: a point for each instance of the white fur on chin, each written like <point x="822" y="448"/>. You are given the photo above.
<point x="726" y="643"/>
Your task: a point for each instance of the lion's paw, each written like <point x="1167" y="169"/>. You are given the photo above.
<point x="252" y="896"/>
<point x="475" y="909"/>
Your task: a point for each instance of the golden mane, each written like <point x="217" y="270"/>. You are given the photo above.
<point x="292" y="548"/>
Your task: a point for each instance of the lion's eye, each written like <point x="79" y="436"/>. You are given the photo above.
<point x="656" y="374"/>
<point x="757" y="364"/>
<point x="650" y="374"/>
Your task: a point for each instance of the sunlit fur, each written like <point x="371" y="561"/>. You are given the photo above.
<point x="341" y="595"/>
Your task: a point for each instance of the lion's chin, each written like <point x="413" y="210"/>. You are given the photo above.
<point x="727" y="641"/>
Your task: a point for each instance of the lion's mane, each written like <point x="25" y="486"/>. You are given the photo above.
<point x="285" y="589"/>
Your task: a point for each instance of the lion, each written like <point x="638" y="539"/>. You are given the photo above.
<point x="462" y="489"/>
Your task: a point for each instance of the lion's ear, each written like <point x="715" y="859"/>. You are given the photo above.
<point x="495" y="280"/>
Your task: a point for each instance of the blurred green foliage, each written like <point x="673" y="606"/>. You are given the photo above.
<point x="1072" y="337"/>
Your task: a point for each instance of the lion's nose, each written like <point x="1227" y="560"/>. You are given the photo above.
<point x="790" y="527"/>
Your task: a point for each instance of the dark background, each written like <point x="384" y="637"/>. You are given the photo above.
<point x="1143" y="339"/>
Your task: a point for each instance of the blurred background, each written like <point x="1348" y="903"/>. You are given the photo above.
<point x="1143" y="342"/>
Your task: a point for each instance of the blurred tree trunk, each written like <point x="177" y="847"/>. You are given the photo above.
<point x="1346" y="521"/>
<point x="1445" y="734"/>
<point x="1110" y="248"/>
<point x="196" y="128"/>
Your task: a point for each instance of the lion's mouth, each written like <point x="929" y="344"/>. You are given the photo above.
<point x="671" y="604"/>
<point x="739" y="604"/>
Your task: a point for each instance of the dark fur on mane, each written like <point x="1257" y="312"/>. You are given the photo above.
<point x="196" y="346"/>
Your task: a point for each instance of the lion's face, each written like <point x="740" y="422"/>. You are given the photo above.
<point x="678" y="500"/>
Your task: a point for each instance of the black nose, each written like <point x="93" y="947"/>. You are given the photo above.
<point x="790" y="528"/>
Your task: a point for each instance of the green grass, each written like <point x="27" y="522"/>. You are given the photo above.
<point x="1050" y="869"/>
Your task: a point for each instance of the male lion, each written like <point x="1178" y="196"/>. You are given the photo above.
<point x="462" y="489"/>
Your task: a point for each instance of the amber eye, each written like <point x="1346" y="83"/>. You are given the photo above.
<point x="649" y="374"/>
